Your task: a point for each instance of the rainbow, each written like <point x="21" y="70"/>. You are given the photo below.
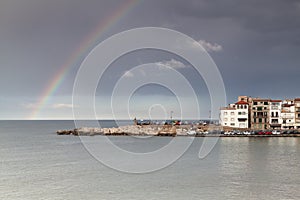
<point x="77" y="55"/>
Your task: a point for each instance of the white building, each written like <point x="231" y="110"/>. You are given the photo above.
<point x="288" y="114"/>
<point x="228" y="116"/>
<point x="275" y="118"/>
<point x="235" y="115"/>
<point x="297" y="113"/>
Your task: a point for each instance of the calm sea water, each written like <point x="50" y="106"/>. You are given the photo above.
<point x="38" y="164"/>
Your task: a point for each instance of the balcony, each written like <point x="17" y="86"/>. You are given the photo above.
<point x="274" y="121"/>
<point x="242" y="119"/>
<point x="275" y="125"/>
<point x="260" y="116"/>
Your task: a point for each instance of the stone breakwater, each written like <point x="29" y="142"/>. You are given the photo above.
<point x="169" y="130"/>
<point x="150" y="130"/>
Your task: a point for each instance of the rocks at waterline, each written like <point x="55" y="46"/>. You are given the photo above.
<point x="122" y="130"/>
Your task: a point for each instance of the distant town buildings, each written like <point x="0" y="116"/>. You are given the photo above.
<point x="261" y="114"/>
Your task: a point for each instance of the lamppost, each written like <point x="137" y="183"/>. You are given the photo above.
<point x="171" y="113"/>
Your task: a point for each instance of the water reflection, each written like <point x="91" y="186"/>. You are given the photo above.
<point x="260" y="167"/>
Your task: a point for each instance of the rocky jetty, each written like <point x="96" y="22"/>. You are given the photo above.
<point x="173" y="130"/>
<point x="122" y="130"/>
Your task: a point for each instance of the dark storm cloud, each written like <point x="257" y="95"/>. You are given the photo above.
<point x="257" y="15"/>
<point x="38" y="37"/>
<point x="259" y="39"/>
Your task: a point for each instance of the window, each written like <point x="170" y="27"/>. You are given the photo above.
<point x="225" y="113"/>
<point x="240" y="113"/>
<point x="265" y="103"/>
<point x="225" y="119"/>
<point x="260" y="120"/>
<point x="232" y="124"/>
<point x="259" y="108"/>
<point x="232" y="119"/>
<point x="254" y="103"/>
<point x="232" y="113"/>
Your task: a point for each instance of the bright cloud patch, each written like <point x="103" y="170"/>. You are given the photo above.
<point x="171" y="64"/>
<point x="62" y="105"/>
<point x="210" y="47"/>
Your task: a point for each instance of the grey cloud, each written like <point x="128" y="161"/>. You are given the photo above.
<point x="260" y="42"/>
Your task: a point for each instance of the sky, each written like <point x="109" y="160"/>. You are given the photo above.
<point x="255" y="45"/>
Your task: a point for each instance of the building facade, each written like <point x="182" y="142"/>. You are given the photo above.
<point x="275" y="118"/>
<point x="261" y="114"/>
<point x="288" y="114"/>
<point x="235" y="115"/>
<point x="297" y="113"/>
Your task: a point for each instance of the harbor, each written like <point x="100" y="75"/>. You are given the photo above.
<point x="248" y="117"/>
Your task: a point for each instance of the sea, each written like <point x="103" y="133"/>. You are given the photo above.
<point x="36" y="163"/>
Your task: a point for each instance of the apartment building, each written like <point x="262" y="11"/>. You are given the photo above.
<point x="260" y="114"/>
<point x="275" y="118"/>
<point x="288" y="114"/>
<point x="297" y="113"/>
<point x="235" y="115"/>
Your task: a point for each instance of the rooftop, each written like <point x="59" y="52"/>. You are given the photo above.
<point x="241" y="103"/>
<point x="257" y="99"/>
<point x="276" y="100"/>
<point x="287" y="105"/>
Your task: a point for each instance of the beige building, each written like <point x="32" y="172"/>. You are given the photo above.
<point x="260" y="114"/>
